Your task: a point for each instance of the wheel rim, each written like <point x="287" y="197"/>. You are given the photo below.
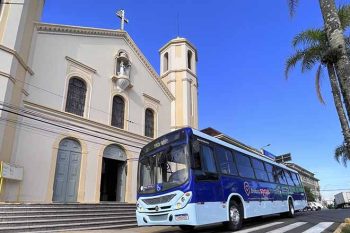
<point x="234" y="215"/>
<point x="291" y="207"/>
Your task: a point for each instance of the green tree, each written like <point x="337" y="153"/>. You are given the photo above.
<point x="334" y="29"/>
<point x="341" y="154"/>
<point x="309" y="195"/>
<point x="313" y="48"/>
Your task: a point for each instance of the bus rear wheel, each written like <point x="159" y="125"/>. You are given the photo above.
<point x="186" y="227"/>
<point x="235" y="217"/>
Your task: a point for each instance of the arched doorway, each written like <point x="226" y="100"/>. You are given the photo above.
<point x="67" y="171"/>
<point x="113" y="175"/>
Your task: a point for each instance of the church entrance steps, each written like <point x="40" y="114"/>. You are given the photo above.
<point x="65" y="217"/>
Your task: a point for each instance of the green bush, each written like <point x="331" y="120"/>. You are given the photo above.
<point x="346" y="229"/>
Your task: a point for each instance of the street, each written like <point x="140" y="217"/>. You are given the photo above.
<point x="308" y="222"/>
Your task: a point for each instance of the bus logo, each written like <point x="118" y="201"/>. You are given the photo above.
<point x="158" y="187"/>
<point x="247" y="188"/>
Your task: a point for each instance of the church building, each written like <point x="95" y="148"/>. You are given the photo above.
<point x="77" y="104"/>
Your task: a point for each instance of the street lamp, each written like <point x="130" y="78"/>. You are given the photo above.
<point x="261" y="148"/>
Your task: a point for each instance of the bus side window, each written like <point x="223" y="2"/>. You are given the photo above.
<point x="269" y="169"/>
<point x="259" y="169"/>
<point x="295" y="179"/>
<point x="208" y="161"/>
<point x="225" y="161"/>
<point x="280" y="175"/>
<point x="289" y="178"/>
<point x="244" y="166"/>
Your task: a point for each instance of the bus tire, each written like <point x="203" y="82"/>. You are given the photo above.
<point x="186" y="227"/>
<point x="291" y="210"/>
<point x="235" y="214"/>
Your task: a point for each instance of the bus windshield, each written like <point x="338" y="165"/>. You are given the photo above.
<point x="164" y="169"/>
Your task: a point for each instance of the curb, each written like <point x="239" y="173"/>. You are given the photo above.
<point x="341" y="226"/>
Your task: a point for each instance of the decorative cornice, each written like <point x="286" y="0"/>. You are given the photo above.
<point x="151" y="98"/>
<point x="80" y="64"/>
<point x="68" y="29"/>
<point x="12" y="79"/>
<point x="71" y="118"/>
<point x="180" y="40"/>
<point x="18" y="57"/>
<point x="180" y="70"/>
<point x="86" y="31"/>
<point x="148" y="66"/>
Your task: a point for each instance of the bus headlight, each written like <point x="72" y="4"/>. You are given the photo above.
<point x="138" y="206"/>
<point x="183" y="200"/>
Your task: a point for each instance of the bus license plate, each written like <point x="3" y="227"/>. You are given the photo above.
<point x="181" y="217"/>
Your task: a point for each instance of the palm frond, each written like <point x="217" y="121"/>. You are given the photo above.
<point x="342" y="155"/>
<point x="317" y="84"/>
<point x="344" y="16"/>
<point x="311" y="37"/>
<point x="292" y="5"/>
<point x="292" y="61"/>
<point x="312" y="55"/>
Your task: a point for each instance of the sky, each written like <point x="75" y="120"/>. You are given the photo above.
<point x="242" y="48"/>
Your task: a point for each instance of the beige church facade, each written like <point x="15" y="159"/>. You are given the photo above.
<point x="78" y="104"/>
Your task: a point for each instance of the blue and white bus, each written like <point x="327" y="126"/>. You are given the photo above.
<point x="187" y="178"/>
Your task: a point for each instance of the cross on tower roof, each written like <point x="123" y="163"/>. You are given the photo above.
<point x="121" y="15"/>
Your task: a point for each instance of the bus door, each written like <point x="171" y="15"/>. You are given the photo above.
<point x="208" y="192"/>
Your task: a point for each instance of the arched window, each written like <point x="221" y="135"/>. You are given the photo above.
<point x="149" y="123"/>
<point x="165" y="62"/>
<point x="118" y="110"/>
<point x="189" y="59"/>
<point x="76" y="96"/>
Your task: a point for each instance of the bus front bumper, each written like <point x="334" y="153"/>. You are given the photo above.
<point x="184" y="216"/>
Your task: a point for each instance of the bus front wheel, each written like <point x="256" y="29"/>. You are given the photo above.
<point x="235" y="216"/>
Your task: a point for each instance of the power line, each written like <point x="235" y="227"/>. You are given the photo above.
<point x="67" y="128"/>
<point x="17" y="124"/>
<point x="88" y="106"/>
<point x="331" y="190"/>
<point x="32" y="113"/>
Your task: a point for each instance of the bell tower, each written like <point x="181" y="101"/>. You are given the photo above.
<point x="178" y="71"/>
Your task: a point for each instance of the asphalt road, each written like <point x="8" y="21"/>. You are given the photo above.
<point x="308" y="222"/>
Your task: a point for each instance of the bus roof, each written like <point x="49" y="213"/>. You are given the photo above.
<point x="247" y="152"/>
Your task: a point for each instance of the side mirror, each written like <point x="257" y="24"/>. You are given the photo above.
<point x="195" y="147"/>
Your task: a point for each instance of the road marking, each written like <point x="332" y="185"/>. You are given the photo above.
<point x="288" y="227"/>
<point x="259" y="227"/>
<point x="319" y="227"/>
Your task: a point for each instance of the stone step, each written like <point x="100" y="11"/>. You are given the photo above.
<point x="69" y="226"/>
<point x="49" y="221"/>
<point x="68" y="204"/>
<point x="3" y="208"/>
<point x="31" y="210"/>
<point x="40" y="212"/>
<point x="112" y="226"/>
<point x="60" y="216"/>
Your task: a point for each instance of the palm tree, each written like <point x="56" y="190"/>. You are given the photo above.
<point x="334" y="28"/>
<point x="342" y="154"/>
<point x="315" y="51"/>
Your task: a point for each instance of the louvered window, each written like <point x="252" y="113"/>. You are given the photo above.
<point x="118" y="111"/>
<point x="149" y="123"/>
<point x="76" y="96"/>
